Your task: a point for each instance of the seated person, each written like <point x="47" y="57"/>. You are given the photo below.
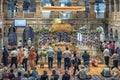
<point x="106" y="72"/>
<point x="44" y="76"/>
<point x="115" y="72"/>
<point x="54" y="76"/>
<point x="66" y="76"/>
<point x="82" y="75"/>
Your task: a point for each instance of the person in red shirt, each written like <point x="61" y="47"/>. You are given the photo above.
<point x="112" y="47"/>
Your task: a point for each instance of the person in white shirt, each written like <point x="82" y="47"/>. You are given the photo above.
<point x="67" y="56"/>
<point x="29" y="43"/>
<point x="14" y="55"/>
<point x="106" y="53"/>
<point x="106" y="72"/>
<point x="20" y="44"/>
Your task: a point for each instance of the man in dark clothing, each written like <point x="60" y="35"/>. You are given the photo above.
<point x="59" y="57"/>
<point x="37" y="57"/>
<point x="14" y="55"/>
<point x="76" y="63"/>
<point x="44" y="76"/>
<point x="5" y="56"/>
<point x="86" y="58"/>
<point x="54" y="76"/>
<point x="66" y="76"/>
<point x="11" y="75"/>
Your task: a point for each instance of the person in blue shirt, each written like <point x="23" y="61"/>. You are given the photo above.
<point x="86" y="58"/>
<point x="54" y="76"/>
<point x="50" y="53"/>
<point x="59" y="57"/>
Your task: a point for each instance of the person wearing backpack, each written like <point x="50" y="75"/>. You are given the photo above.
<point x="76" y="62"/>
<point x="59" y="57"/>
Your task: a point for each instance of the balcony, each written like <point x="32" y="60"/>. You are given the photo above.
<point x="34" y="15"/>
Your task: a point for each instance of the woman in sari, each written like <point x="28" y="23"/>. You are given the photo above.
<point x="32" y="57"/>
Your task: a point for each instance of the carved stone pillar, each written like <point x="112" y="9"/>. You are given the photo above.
<point x="119" y="5"/>
<point x="92" y="12"/>
<point x="110" y="6"/>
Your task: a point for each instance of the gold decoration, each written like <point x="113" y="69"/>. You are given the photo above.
<point x="61" y="27"/>
<point x="64" y="8"/>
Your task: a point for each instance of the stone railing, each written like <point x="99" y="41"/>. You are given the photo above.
<point x="75" y="15"/>
<point x="19" y="15"/>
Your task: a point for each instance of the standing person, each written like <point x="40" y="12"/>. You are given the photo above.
<point x="20" y="44"/>
<point x="76" y="63"/>
<point x="66" y="76"/>
<point x="32" y="57"/>
<point x="50" y="53"/>
<point x="14" y="55"/>
<point x="44" y="76"/>
<point x="20" y="56"/>
<point x="43" y="55"/>
<point x="86" y="58"/>
<point x="5" y="56"/>
<point x="59" y="57"/>
<point x="54" y="76"/>
<point x="25" y="58"/>
<point x="115" y="58"/>
<point x="106" y="53"/>
<point x="67" y="56"/>
<point x="112" y="47"/>
<point x="104" y="44"/>
<point x="29" y="43"/>
<point x="37" y="57"/>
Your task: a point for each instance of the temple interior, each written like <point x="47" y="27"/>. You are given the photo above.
<point x="34" y="33"/>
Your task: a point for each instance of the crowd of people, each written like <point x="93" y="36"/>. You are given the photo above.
<point x="111" y="50"/>
<point x="25" y="58"/>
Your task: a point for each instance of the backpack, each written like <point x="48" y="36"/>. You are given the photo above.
<point x="76" y="62"/>
<point x="79" y="61"/>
